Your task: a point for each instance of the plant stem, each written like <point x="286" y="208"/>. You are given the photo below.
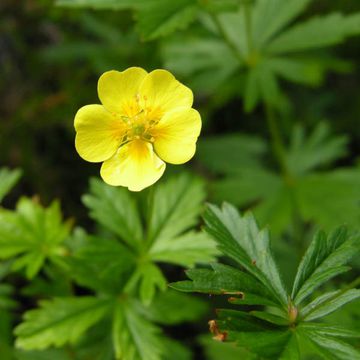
<point x="226" y="38"/>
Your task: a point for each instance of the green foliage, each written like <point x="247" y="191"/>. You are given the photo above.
<point x="277" y="331"/>
<point x="118" y="266"/>
<point x="32" y="234"/>
<point x="60" y="321"/>
<point x="306" y="188"/>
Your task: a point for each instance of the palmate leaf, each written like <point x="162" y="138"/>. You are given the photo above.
<point x="278" y="330"/>
<point x="115" y="209"/>
<point x="239" y="237"/>
<point x="174" y="207"/>
<point x="32" y="234"/>
<point x="154" y="228"/>
<point x="323" y="197"/>
<point x="60" y="321"/>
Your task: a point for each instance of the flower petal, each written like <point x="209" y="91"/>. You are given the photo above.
<point x="118" y="90"/>
<point x="176" y="134"/>
<point x="135" y="165"/>
<point x="98" y="133"/>
<point x="161" y="92"/>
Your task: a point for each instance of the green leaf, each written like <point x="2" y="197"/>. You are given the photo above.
<point x="60" y="321"/>
<point x="291" y="349"/>
<point x="225" y="154"/>
<point x="133" y="336"/>
<point x="269" y="344"/>
<point x="33" y="234"/>
<point x="328" y="303"/>
<point x="333" y="349"/>
<point x="328" y="330"/>
<point x="317" y="32"/>
<point x="103" y="265"/>
<point x="323" y="261"/>
<point x="160" y="17"/>
<point x="276" y="14"/>
<point x="184" y="250"/>
<point x="168" y="308"/>
<point x="201" y="61"/>
<point x="114" y="208"/>
<point x="269" y="317"/>
<point x="8" y="179"/>
<point x="151" y="278"/>
<point x="175" y="207"/>
<point x="308" y="153"/>
<point x="336" y="191"/>
<point x="223" y="279"/>
<point x="240" y="238"/>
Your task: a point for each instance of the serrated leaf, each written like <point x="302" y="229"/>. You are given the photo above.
<point x="322" y="264"/>
<point x="175" y="207"/>
<point x="223" y="279"/>
<point x="8" y="179"/>
<point x="328" y="303"/>
<point x="240" y="238"/>
<point x="114" y="208"/>
<point x="33" y="234"/>
<point x="319" y="249"/>
<point x="134" y="337"/>
<point x="316" y="33"/>
<point x="160" y="17"/>
<point x="60" y="321"/>
<point x="239" y="321"/>
<point x="333" y="349"/>
<point x="184" y="250"/>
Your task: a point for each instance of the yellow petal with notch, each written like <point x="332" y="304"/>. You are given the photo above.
<point x="135" y="165"/>
<point x="161" y="92"/>
<point x="98" y="133"/>
<point x="176" y="135"/>
<point x="118" y="91"/>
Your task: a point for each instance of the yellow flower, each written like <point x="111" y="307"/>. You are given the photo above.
<point x="145" y="120"/>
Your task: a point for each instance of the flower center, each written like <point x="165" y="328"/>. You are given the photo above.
<point x="138" y="125"/>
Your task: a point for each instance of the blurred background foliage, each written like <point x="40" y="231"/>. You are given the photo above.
<point x="305" y="79"/>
